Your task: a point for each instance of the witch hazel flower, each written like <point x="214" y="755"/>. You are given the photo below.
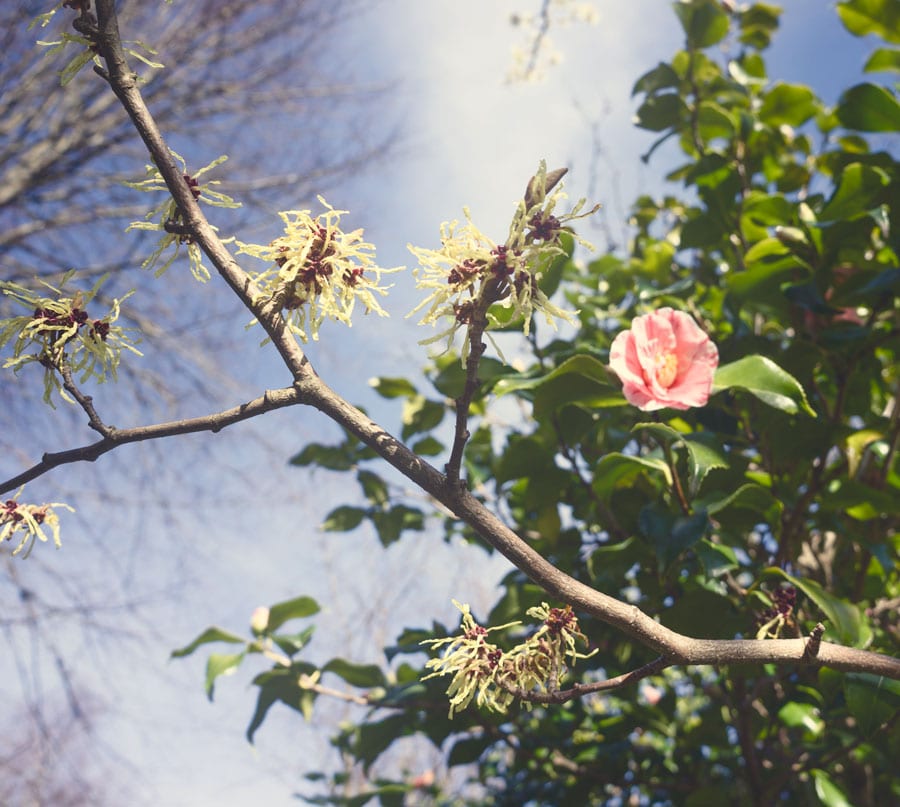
<point x="471" y="276"/>
<point x="167" y="218"/>
<point x="318" y="271"/>
<point x="26" y="523"/>
<point x="664" y="360"/>
<point x="58" y="334"/>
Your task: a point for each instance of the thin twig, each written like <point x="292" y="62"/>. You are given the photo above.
<point x="580" y="690"/>
<point x="113" y="438"/>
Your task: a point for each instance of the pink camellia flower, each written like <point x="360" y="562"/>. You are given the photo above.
<point x="664" y="360"/>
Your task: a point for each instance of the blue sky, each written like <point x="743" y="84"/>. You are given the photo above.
<point x="467" y="138"/>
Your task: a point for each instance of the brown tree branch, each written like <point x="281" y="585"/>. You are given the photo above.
<point x="113" y="437"/>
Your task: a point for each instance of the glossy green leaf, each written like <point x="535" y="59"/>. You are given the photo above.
<point x="209" y="635"/>
<point x="582" y="364"/>
<point x="869" y="108"/>
<point x="761" y="377"/>
<point x="293" y="643"/>
<point x="220" y="664"/>
<point x="659" y="112"/>
<point x="704" y="22"/>
<point x="758" y="22"/>
<point x="660" y="77"/>
<point x="702" y="456"/>
<point x="856" y="194"/>
<point x="791" y="104"/>
<point x="616" y="469"/>
<point x="451" y="378"/>
<point x="297" y="608"/>
<point x="828" y="792"/>
<point x="358" y="675"/>
<point x="883" y="60"/>
<point x="878" y="17"/>
<point x="802" y="715"/>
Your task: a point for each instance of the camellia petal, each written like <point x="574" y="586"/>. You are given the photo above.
<point x="664" y="360"/>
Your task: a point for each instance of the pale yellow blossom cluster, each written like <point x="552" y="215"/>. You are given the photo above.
<point x="27" y="523"/>
<point x="59" y="334"/>
<point x="317" y="271"/>
<point x="167" y="218"/>
<point x="470" y="272"/>
<point x="495" y="678"/>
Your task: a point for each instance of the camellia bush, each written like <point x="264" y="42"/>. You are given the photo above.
<point x="701" y="507"/>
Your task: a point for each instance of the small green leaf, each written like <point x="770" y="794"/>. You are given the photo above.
<point x="358" y="675"/>
<point x="281" y="684"/>
<point x="209" y="635"/>
<point x="659" y="112"/>
<point x="297" y="608"/>
<point x="869" y="108"/>
<point x="883" y="60"/>
<point x="374" y="487"/>
<point x="343" y="519"/>
<point x="428" y="447"/>
<point x="702" y="457"/>
<point x="293" y="643"/>
<point x="761" y="377"/>
<point x="802" y="715"/>
<point x="615" y="470"/>
<point x="393" y="387"/>
<point x="758" y="22"/>
<point x="660" y="77"/>
<point x="220" y="664"/>
<point x="703" y="21"/>
<point x="420" y="415"/>
<point x="334" y="458"/>
<point x="828" y="792"/>
<point x="390" y="524"/>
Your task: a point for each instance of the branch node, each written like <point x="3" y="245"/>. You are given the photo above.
<point x="813" y="643"/>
